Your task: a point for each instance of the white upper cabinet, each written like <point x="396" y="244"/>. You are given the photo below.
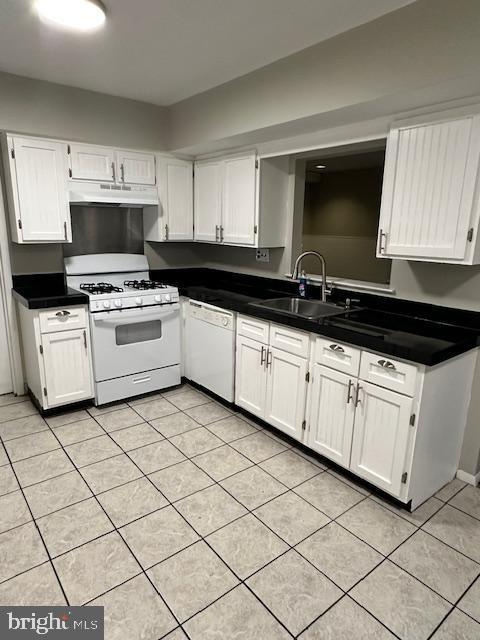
<point x="239" y="200"/>
<point x="89" y="162"/>
<point x="135" y="167"/>
<point x="173" y="218"/>
<point x="429" y="206"/>
<point x="208" y="200"/>
<point x="242" y="200"/>
<point x="36" y="181"/>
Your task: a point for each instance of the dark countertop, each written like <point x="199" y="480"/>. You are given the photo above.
<point x="43" y="291"/>
<point x="424" y="334"/>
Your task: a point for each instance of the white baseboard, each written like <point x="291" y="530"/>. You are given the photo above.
<point x="468" y="477"/>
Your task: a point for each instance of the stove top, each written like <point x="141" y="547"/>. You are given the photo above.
<point x="96" y="288"/>
<point x="144" y="284"/>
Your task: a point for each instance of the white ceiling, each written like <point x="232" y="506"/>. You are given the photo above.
<point x="162" y="51"/>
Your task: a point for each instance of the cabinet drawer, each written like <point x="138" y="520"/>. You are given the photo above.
<point x="62" y="319"/>
<point x="338" y="356"/>
<point x="253" y="328"/>
<point x="289" y="340"/>
<point x="388" y="373"/>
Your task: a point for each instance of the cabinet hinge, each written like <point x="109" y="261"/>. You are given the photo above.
<point x="41" y="349"/>
<point x="255" y="229"/>
<point x="45" y="391"/>
<point x="69" y="173"/>
<point x="12" y="153"/>
<point x="19" y="223"/>
<point x="404" y="477"/>
<point x="307" y="376"/>
<point x="304" y="425"/>
<point x="413" y="417"/>
<point x="470" y="234"/>
<point x="256" y="164"/>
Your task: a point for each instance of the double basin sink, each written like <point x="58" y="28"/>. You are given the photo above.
<point x="299" y="307"/>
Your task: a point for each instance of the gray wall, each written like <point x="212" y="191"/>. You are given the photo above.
<point x="47" y="109"/>
<point x="426" y="44"/>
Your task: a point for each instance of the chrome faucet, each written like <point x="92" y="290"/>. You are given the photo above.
<point x="324" y="270"/>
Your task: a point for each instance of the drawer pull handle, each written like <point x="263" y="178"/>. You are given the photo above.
<point x="337" y="347"/>
<point x="386" y="364"/>
<point x="62" y="314"/>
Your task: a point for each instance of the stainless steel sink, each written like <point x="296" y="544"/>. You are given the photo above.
<point x="310" y="309"/>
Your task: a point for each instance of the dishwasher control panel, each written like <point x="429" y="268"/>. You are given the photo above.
<point x="213" y="315"/>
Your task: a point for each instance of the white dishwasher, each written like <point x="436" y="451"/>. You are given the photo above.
<point x="210" y="348"/>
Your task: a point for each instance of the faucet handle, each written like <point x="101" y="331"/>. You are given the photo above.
<point x="349" y="301"/>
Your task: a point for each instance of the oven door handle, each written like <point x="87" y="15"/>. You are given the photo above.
<point x="122" y="317"/>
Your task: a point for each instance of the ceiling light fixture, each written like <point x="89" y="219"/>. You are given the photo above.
<point x="81" y="15"/>
<point x="320" y="166"/>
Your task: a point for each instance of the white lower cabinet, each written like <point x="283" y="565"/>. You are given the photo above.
<point x="57" y="355"/>
<point x="271" y="383"/>
<point x="397" y="424"/>
<point x="251" y="376"/>
<point x="381" y="436"/>
<point x="331" y="414"/>
<point x="286" y="391"/>
<point x="66" y="360"/>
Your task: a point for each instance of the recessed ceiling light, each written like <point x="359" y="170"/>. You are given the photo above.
<point x="320" y="166"/>
<point x="82" y="15"/>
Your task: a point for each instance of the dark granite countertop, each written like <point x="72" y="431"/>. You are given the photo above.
<point x="425" y="334"/>
<point x="44" y="291"/>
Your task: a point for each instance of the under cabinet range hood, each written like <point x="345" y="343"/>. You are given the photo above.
<point x="92" y="193"/>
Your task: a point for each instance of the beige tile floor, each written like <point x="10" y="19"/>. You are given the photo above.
<point x="185" y="520"/>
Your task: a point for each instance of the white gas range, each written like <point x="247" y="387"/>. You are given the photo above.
<point x="134" y="324"/>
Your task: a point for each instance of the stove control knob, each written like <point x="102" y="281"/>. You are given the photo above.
<point x="138" y="301"/>
<point x="158" y="298"/>
<point x="118" y="303"/>
<point x="168" y="297"/>
<point x="106" y="304"/>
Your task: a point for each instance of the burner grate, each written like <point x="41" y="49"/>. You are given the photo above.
<point x="99" y="287"/>
<point x="144" y="284"/>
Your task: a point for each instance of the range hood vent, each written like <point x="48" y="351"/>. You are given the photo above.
<point x="101" y="194"/>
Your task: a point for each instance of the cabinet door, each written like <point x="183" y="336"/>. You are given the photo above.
<point x="251" y="376"/>
<point x="207" y="202"/>
<point x="175" y="191"/>
<point x="428" y="189"/>
<point x="239" y="200"/>
<point x="88" y="162"/>
<point x="380" y="436"/>
<point x="135" y="167"/>
<point x="66" y="357"/>
<point x="332" y="410"/>
<point x="40" y="192"/>
<point x="286" y="391"/>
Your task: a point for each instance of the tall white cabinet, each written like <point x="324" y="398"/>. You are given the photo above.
<point x="172" y="220"/>
<point x="37" y="174"/>
<point x="430" y="200"/>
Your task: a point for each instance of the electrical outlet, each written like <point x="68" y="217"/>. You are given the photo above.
<point x="263" y="255"/>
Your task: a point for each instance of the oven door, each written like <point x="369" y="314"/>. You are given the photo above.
<point x="135" y="340"/>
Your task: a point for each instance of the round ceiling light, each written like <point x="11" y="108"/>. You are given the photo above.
<point x="82" y="15"/>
